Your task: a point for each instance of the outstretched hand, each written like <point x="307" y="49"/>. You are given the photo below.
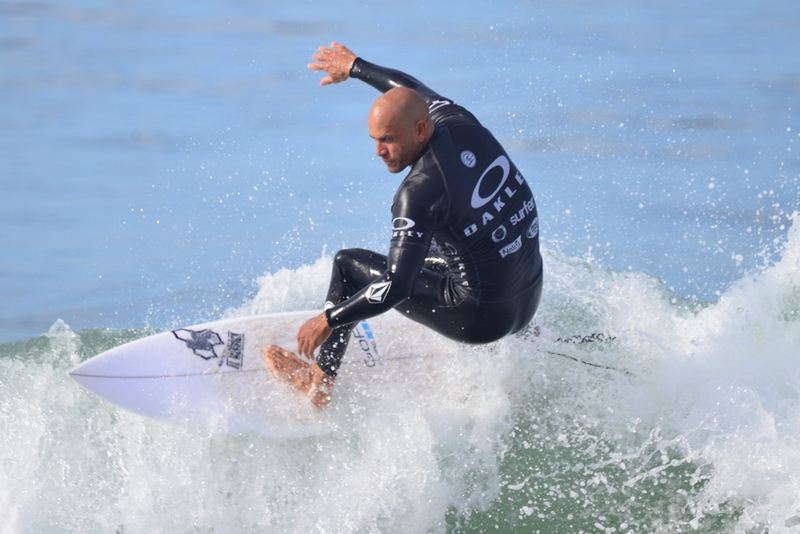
<point x="312" y="334"/>
<point x="336" y="61"/>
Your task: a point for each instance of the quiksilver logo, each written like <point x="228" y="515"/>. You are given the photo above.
<point x="376" y="293"/>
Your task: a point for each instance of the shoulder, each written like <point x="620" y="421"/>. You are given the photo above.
<point x="424" y="182"/>
<point x="446" y="112"/>
<point x="423" y="189"/>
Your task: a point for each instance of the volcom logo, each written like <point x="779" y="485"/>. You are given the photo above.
<point x="468" y="159"/>
<point x="202" y="343"/>
<point x="376" y="293"/>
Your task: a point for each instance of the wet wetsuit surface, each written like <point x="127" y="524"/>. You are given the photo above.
<point x="464" y="197"/>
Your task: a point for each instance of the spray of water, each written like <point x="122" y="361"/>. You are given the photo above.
<point x="622" y="409"/>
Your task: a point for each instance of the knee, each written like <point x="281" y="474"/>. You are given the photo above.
<point x="346" y="258"/>
<point x="355" y="263"/>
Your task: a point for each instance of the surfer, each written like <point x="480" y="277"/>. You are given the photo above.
<point x="464" y="255"/>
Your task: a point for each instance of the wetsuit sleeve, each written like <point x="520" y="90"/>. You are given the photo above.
<point x="383" y="79"/>
<point x="385" y="292"/>
<point x="412" y="233"/>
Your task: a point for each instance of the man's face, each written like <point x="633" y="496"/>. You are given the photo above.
<point x="395" y="142"/>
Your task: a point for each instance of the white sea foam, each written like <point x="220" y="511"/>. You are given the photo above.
<point x="681" y="416"/>
<point x="714" y="390"/>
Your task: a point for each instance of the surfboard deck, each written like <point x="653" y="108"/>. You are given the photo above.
<point x="213" y="374"/>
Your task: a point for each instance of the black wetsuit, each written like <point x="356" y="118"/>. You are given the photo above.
<point x="464" y="196"/>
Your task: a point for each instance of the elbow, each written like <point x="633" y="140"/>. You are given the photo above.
<point x="394" y="291"/>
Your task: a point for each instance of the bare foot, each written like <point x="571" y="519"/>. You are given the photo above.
<point x="309" y="379"/>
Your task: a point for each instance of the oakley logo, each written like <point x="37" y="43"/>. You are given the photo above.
<point x="401" y="228"/>
<point x="478" y="200"/>
<point x="402" y="223"/>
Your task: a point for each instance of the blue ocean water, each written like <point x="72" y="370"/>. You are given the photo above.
<point x="168" y="163"/>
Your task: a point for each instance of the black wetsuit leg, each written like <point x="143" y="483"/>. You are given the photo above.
<point x="433" y="303"/>
<point x="470" y="322"/>
<point x="353" y="269"/>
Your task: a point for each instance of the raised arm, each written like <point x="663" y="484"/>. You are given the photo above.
<point x="336" y="60"/>
<point x="341" y="63"/>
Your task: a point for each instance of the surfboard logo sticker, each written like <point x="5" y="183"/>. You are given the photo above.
<point x="376" y="293"/>
<point x="362" y="335"/>
<point x="202" y="343"/>
<point x="234" y="351"/>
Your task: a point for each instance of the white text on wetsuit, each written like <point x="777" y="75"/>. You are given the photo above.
<point x="526" y="208"/>
<point x="497" y="198"/>
<point x="401" y="227"/>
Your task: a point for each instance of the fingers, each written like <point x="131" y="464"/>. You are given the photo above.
<point x="306" y="348"/>
<point x="323" y="67"/>
<point x="312" y="334"/>
<point x="307" y="339"/>
<point x="323" y="57"/>
<point x="302" y="344"/>
<point x="336" y="60"/>
<point x="340" y="48"/>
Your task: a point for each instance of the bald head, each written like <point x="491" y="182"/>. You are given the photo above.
<point x="400" y="124"/>
<point x="401" y="104"/>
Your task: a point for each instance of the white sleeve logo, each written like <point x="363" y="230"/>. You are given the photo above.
<point x="402" y="223"/>
<point x="376" y="293"/>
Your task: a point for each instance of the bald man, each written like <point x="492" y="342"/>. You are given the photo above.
<point x="464" y="253"/>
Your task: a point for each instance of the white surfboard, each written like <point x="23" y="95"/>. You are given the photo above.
<point x="214" y="375"/>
